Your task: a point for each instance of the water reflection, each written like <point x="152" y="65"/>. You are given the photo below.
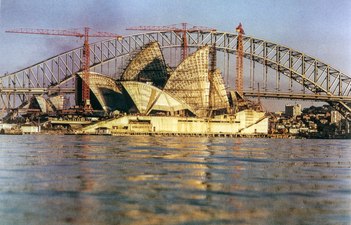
<point x="169" y="180"/>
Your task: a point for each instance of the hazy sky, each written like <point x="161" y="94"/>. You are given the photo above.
<point x="320" y="28"/>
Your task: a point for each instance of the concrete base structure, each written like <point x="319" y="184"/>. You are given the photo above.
<point x="244" y="122"/>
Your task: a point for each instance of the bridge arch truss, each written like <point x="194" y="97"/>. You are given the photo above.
<point x="316" y="80"/>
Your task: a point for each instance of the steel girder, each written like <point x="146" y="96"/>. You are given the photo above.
<point x="109" y="57"/>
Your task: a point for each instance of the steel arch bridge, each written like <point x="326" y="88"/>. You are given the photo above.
<point x="284" y="72"/>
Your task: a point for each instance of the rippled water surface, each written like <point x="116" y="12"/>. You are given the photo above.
<point x="173" y="180"/>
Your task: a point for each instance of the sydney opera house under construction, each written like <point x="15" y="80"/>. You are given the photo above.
<point x="151" y="98"/>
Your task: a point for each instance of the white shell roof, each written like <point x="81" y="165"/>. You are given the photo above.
<point x="147" y="98"/>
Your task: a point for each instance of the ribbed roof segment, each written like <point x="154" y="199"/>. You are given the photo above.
<point x="147" y="65"/>
<point x="190" y="83"/>
<point x="218" y="96"/>
<point x="105" y="90"/>
<point x="147" y="98"/>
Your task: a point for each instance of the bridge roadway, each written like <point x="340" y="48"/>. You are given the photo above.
<point x="36" y="91"/>
<point x="247" y="93"/>
<point x="297" y="96"/>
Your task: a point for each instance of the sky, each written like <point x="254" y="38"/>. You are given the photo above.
<point x="319" y="28"/>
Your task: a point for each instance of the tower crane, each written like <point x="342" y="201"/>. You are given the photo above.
<point x="86" y="52"/>
<point x="178" y="28"/>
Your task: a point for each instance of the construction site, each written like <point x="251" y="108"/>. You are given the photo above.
<point x="190" y="100"/>
<point x="174" y="80"/>
<point x="149" y="96"/>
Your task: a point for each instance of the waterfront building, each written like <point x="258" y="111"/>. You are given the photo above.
<point x="293" y="110"/>
<point x="335" y="117"/>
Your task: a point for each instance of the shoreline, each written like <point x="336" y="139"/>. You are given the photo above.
<point x="168" y="134"/>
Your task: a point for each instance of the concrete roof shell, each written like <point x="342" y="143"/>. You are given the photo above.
<point x="147" y="98"/>
<point x="100" y="84"/>
<point x="190" y="82"/>
<point x="147" y="65"/>
<point x="218" y="98"/>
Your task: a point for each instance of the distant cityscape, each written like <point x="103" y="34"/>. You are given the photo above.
<point x="312" y="122"/>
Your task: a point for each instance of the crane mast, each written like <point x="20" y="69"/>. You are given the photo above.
<point x="239" y="81"/>
<point x="86" y="70"/>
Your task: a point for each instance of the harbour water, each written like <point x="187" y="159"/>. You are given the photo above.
<point x="173" y="180"/>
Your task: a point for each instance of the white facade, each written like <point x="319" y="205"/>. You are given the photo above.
<point x="335" y="117"/>
<point x="30" y="129"/>
<point x="7" y="126"/>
